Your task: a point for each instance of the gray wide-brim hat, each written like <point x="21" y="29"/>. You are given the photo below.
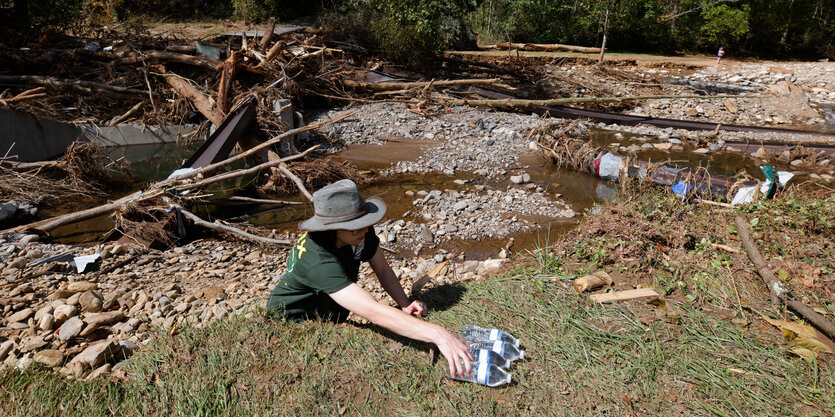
<point x="340" y="206"/>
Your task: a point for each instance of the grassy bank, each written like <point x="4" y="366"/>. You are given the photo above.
<point x="583" y="359"/>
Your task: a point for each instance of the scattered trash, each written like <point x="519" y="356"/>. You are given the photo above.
<point x="746" y="195"/>
<point x="485" y="374"/>
<point x="488" y="356"/>
<point x="475" y="334"/>
<point x="506" y="350"/>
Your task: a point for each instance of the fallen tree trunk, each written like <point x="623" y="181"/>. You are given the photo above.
<point x="201" y="61"/>
<point x="523" y="104"/>
<point x="268" y="34"/>
<point x="361" y="85"/>
<point x="548" y="47"/>
<point x="84" y="86"/>
<point x="779" y="292"/>
<point x="228" y="229"/>
<point x="204" y="104"/>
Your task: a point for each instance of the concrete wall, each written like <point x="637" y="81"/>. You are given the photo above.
<point x="34" y="138"/>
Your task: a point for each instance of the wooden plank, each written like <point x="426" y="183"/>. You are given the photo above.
<point x="623" y="295"/>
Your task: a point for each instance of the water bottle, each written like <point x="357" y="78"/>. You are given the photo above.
<point x="488" y="356"/>
<point x="477" y="334"/>
<point x="504" y="349"/>
<point x="485" y="374"/>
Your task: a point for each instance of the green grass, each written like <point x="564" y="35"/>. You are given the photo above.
<point x="583" y="359"/>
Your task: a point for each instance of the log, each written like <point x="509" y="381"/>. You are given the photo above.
<point x="84" y="86"/>
<point x="520" y="103"/>
<point x="228" y="229"/>
<point x="204" y="104"/>
<point x="200" y="61"/>
<point x="778" y="290"/>
<point x="268" y="34"/>
<point x="592" y="281"/>
<point x="548" y="47"/>
<point x="361" y="85"/>
<point x="273" y="52"/>
<point x="227" y="76"/>
<point x="623" y="295"/>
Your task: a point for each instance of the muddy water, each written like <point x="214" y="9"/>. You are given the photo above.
<point x="580" y="191"/>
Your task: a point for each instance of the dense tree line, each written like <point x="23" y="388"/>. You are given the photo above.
<point x="406" y="29"/>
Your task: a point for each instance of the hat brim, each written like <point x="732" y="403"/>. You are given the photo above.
<point x="376" y="211"/>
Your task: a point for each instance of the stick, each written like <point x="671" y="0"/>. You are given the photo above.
<point x="724" y="247"/>
<point x="17" y="99"/>
<point x="715" y="203"/>
<point x="226" y="77"/>
<point x="420" y="84"/>
<point x="228" y="229"/>
<point x="286" y="171"/>
<point x="204" y="104"/>
<point x="201" y="61"/>
<point x="242" y="172"/>
<point x="273" y="52"/>
<point x="519" y="103"/>
<point x="127" y="114"/>
<point x="268" y="34"/>
<point x="248" y="200"/>
<point x="623" y="295"/>
<point x="85" y="86"/>
<point x="779" y="292"/>
<point x="209" y="168"/>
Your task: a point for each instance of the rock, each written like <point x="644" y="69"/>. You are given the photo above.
<point x="126" y="349"/>
<point x="18" y="263"/>
<point x="690" y="111"/>
<point x="24" y="362"/>
<point x="50" y="358"/>
<point x="65" y="311"/>
<point x="47" y="309"/>
<point x="701" y="151"/>
<point x="6" y="348"/>
<point x="71" y="328"/>
<point x="46" y="322"/>
<point x="97" y="353"/>
<point x="493" y="264"/>
<point x="210" y="293"/>
<point x="516" y="179"/>
<point x="99" y="372"/>
<point x="254" y="256"/>
<point x="468" y="266"/>
<point x="731" y="106"/>
<point x="20" y="315"/>
<point x="27" y="239"/>
<point x="101" y="319"/>
<point x="461" y="205"/>
<point x="761" y="153"/>
<point x="90" y="302"/>
<point x="33" y="343"/>
<point x="663" y="146"/>
<point x="796" y="162"/>
<point x="82" y="286"/>
<point x="426" y="234"/>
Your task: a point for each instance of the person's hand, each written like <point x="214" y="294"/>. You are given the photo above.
<point x="416" y="308"/>
<point x="456" y="352"/>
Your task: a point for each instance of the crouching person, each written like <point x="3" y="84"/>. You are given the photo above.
<point x="323" y="268"/>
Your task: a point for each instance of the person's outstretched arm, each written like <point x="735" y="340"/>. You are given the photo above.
<point x="390" y="282"/>
<point x="360" y="302"/>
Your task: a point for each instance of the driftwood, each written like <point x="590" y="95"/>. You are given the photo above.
<point x="627" y="295"/>
<point x="84" y="86"/>
<point x="360" y="85"/>
<point x="273" y="52"/>
<point x="268" y="34"/>
<point x="201" y="61"/>
<point x="227" y="76"/>
<point x="204" y="104"/>
<point x="228" y="229"/>
<point x="548" y="47"/>
<point x="522" y="104"/>
<point x="779" y="292"/>
<point x="127" y="114"/>
<point x="242" y="172"/>
<point x="239" y="200"/>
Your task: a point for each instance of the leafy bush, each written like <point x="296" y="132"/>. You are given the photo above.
<point x="724" y="25"/>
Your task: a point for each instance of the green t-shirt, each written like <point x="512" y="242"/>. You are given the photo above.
<point x="315" y="268"/>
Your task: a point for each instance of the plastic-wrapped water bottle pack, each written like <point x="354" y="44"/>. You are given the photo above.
<point x="493" y="350"/>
